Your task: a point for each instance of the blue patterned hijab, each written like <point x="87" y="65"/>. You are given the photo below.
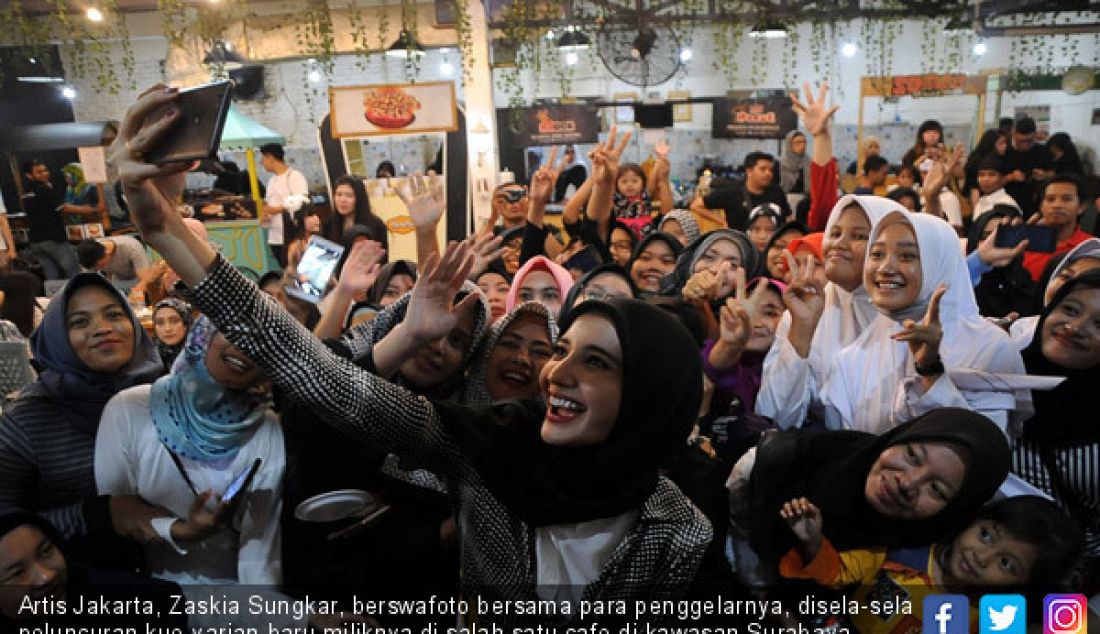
<point x="195" y="416"/>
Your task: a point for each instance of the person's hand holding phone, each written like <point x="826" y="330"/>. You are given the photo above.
<point x="207" y="516"/>
<point x="992" y="255"/>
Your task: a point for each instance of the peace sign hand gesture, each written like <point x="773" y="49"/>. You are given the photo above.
<point x="605" y="158"/>
<point x="804" y="297"/>
<point x="815" y="116"/>
<point x="543" y="180"/>
<point x="924" y="337"/>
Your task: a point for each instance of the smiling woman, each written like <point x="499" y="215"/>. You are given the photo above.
<point x="89" y="346"/>
<point x="928" y="324"/>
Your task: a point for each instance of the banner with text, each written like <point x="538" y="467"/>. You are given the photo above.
<point x="770" y="118"/>
<point x="556" y="125"/>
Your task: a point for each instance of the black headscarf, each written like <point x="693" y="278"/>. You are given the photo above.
<point x="1004" y="289"/>
<point x="669" y="239"/>
<point x="579" y="286"/>
<point x="830" y="469"/>
<point x="80" y="392"/>
<point x="385" y="274"/>
<point x="783" y="229"/>
<point x="1064" y="415"/>
<point x="13" y="519"/>
<point x="547" y="484"/>
<point x="751" y="259"/>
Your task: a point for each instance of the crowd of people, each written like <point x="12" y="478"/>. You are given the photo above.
<point x="773" y="389"/>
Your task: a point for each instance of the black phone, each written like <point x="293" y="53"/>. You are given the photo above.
<point x="584" y="260"/>
<point x="241" y="482"/>
<point x="1039" y="238"/>
<point x="198" y="132"/>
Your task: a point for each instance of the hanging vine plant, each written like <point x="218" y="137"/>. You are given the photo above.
<point x="464" y="37"/>
<point x="88" y="47"/>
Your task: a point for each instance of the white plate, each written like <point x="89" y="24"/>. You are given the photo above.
<point x="334" y="505"/>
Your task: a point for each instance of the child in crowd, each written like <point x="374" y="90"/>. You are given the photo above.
<point x="991" y="183"/>
<point x="1000" y="547"/>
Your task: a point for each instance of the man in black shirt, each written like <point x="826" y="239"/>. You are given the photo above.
<point x="1026" y="163"/>
<point x="44" y="206"/>
<point x="738" y="198"/>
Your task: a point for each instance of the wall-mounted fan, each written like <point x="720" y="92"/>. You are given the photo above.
<point x="646" y="55"/>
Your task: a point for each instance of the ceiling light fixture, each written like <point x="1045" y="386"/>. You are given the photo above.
<point x="405" y="45"/>
<point x="769" y="30"/>
<point x="94" y="14"/>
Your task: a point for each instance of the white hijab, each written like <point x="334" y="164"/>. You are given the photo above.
<point x="864" y="381"/>
<point x="846" y="314"/>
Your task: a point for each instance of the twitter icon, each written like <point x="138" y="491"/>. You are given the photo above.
<point x="1003" y="614"/>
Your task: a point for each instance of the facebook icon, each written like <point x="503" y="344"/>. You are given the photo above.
<point x="946" y="614"/>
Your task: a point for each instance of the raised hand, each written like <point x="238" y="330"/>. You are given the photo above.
<point x="804" y="297"/>
<point x="661" y="150"/>
<point x="815" y="116"/>
<point x="152" y="191"/>
<point x="543" y="180"/>
<point x="735" y="325"/>
<point x="924" y="337"/>
<point x="486" y="247"/>
<point x="424" y="198"/>
<point x="432" y="312"/>
<point x="995" y="256"/>
<point x="804" y="519"/>
<point x="605" y="157"/>
<point x="361" y="268"/>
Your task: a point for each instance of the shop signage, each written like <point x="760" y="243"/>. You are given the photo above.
<point x="360" y="111"/>
<point x="770" y="118"/>
<point x="557" y="125"/>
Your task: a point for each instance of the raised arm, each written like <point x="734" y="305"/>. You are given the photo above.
<point x="424" y="198"/>
<point x="661" y="183"/>
<point x="572" y="212"/>
<point x="358" y="276"/>
<point x="815" y="117"/>
<point x="542" y="188"/>
<point x="605" y="170"/>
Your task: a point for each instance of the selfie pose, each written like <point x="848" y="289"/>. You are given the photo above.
<point x="553" y="497"/>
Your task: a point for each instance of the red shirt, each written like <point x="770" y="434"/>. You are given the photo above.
<point x="823" y="181"/>
<point x="1035" y="262"/>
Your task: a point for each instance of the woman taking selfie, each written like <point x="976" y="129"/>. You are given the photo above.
<point x="552" y="499"/>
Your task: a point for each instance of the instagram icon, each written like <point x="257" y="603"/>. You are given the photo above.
<point x="1065" y="614"/>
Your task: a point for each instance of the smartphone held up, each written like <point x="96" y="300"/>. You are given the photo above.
<point x="198" y="132"/>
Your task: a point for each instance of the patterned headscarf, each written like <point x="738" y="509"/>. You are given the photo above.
<point x="477" y="380"/>
<point x="195" y="416"/>
<point x="168" y="353"/>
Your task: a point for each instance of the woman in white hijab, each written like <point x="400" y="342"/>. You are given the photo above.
<point x="807" y="340"/>
<point x="928" y="326"/>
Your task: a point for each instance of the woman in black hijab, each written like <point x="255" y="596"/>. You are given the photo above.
<point x="1059" y="450"/>
<point x="848" y="475"/>
<point x="1004" y="289"/>
<point x="607" y="281"/>
<point x="381" y="295"/>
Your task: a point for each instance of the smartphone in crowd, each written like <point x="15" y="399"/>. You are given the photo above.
<point x="241" y="481"/>
<point x="198" y="132"/>
<point x="315" y="270"/>
<point x="1039" y="238"/>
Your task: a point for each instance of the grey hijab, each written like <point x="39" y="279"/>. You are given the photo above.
<point x="791" y="164"/>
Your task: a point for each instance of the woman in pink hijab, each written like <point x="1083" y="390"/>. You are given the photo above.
<point x="540" y="280"/>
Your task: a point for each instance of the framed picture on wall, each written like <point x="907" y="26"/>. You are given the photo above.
<point x="360" y="111"/>
<point x="681" y="112"/>
<point x="624" y="114"/>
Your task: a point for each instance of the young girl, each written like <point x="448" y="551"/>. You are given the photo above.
<point x="1015" y="543"/>
<point x="928" y="322"/>
<point x="654" y="258"/>
<point x="1083" y="257"/>
<point x="763" y="222"/>
<point x="856" y="479"/>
